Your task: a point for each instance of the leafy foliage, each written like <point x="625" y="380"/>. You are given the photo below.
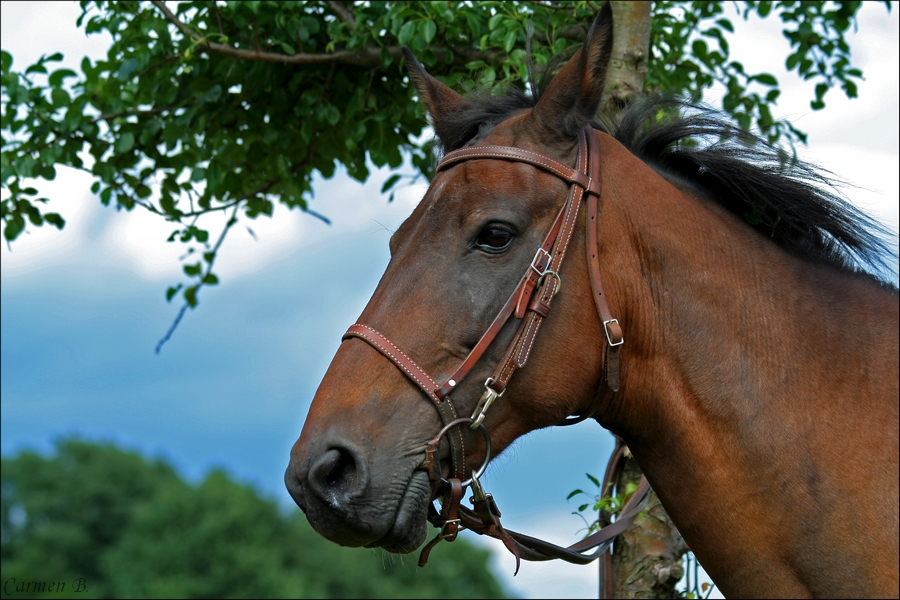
<point x="230" y="107"/>
<point x="604" y="505"/>
<point x="133" y="528"/>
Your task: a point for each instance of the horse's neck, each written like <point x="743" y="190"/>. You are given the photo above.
<point x="733" y="355"/>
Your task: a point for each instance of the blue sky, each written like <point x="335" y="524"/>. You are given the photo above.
<point x="82" y="309"/>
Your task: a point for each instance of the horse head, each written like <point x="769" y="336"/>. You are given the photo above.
<point x="361" y="469"/>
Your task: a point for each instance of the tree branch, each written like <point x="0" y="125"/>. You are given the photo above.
<point x="122" y="113"/>
<point x="367" y="56"/>
<point x="342" y="12"/>
<point x="231" y="222"/>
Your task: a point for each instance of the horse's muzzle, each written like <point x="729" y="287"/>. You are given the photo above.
<point x="331" y="480"/>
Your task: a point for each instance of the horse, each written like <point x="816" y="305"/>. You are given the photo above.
<point x="719" y="310"/>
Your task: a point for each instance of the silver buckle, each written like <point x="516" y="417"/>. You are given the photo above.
<point x="546" y="270"/>
<point x="606" y="329"/>
<point x="484" y="403"/>
<point x="534" y="261"/>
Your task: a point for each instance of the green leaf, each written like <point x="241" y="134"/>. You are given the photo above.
<point x="210" y="279"/>
<point x="170" y="293"/>
<point x="593" y="479"/>
<point x="60" y="97"/>
<point x="428" y="30"/>
<point x="36" y="68"/>
<point x="56" y="78"/>
<point x="390" y="182"/>
<point x="509" y="41"/>
<point x="14" y="226"/>
<point x="406" y="33"/>
<point x="190" y="296"/>
<point x="126" y="69"/>
<point x="573" y="494"/>
<point x="332" y="114"/>
<point x="124" y="143"/>
<point x="198" y="174"/>
<point x="700" y="49"/>
<point x="494" y="21"/>
<point x="192" y="270"/>
<point x="766" y="79"/>
<point x="55" y="219"/>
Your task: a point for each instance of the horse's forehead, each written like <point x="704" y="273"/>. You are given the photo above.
<point x="516" y="130"/>
<point x="472" y="187"/>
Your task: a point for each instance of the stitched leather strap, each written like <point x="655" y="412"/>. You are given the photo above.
<point x="526" y="156"/>
<point x="423" y="380"/>
<point x="612" y="329"/>
<point x="519" y="351"/>
<point x="409" y="367"/>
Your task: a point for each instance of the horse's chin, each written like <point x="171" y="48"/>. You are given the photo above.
<point x="410" y="525"/>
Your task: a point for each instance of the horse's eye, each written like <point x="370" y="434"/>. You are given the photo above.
<point x="494" y="238"/>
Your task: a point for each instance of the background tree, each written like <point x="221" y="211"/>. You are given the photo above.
<point x="133" y="528"/>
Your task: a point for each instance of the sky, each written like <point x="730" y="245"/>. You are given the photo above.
<point x="82" y="309"/>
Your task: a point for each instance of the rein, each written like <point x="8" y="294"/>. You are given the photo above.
<point x="530" y="302"/>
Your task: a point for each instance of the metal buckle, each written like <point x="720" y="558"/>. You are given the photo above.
<point x="477" y="491"/>
<point x="555" y="276"/>
<point x="537" y="256"/>
<point x="543" y="272"/>
<point x="606" y="329"/>
<point x="448" y="532"/>
<point x="484" y="403"/>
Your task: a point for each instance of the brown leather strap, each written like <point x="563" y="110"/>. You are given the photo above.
<point x="534" y="549"/>
<point x="423" y="380"/>
<point x="519" y="351"/>
<point x="448" y="520"/>
<point x="522" y="294"/>
<point x="409" y="367"/>
<point x="611" y="327"/>
<point x="562" y="171"/>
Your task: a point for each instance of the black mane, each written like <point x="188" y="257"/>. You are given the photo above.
<point x="789" y="201"/>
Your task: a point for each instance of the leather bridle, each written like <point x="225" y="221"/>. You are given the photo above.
<point x="530" y="302"/>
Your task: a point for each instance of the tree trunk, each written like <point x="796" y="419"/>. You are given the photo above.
<point x="631" y="50"/>
<point x="647" y="558"/>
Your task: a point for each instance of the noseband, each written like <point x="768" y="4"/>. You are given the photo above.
<point x="530" y="302"/>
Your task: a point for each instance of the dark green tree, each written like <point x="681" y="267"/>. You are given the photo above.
<point x="229" y="107"/>
<point x="129" y="527"/>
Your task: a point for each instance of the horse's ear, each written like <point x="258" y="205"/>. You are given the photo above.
<point x="440" y="101"/>
<point x="572" y="99"/>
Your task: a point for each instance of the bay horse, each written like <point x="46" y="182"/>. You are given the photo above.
<point x="713" y="312"/>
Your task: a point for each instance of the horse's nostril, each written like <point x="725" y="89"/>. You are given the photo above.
<point x="337" y="474"/>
